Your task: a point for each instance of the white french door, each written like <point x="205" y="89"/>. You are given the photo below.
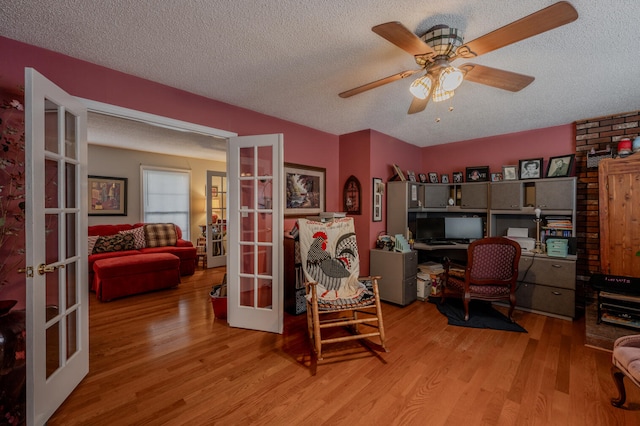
<point x="56" y="246"/>
<point x="255" y="226"/>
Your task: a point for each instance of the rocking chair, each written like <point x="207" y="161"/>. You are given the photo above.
<point x="336" y="296"/>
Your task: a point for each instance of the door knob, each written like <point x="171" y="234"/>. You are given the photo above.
<point x="43" y="269"/>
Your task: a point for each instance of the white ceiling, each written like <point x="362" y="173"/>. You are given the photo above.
<point x="291" y="58"/>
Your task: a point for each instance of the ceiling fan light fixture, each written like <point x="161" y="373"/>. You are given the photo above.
<point x="421" y="87"/>
<point x="440" y="95"/>
<point x="450" y="78"/>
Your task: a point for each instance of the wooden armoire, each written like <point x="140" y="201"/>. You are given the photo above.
<point x="619" y="186"/>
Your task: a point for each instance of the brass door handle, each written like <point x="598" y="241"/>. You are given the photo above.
<point x="43" y="269"/>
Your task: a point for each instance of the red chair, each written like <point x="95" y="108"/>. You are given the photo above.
<point x="491" y="273"/>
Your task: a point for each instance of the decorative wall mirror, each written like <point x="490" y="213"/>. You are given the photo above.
<point x="352" y="195"/>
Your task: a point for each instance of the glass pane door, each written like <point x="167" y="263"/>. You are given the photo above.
<point x="216" y="236"/>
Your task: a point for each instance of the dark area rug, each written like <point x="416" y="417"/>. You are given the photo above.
<point x="481" y="315"/>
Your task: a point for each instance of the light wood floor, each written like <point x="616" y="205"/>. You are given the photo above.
<point x="162" y="358"/>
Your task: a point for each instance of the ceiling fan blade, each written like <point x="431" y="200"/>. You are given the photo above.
<point x="418" y="105"/>
<point x="402" y="37"/>
<point x="378" y="83"/>
<point x="539" y="22"/>
<point x="494" y="77"/>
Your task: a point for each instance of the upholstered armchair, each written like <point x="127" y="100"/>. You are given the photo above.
<point x="626" y="362"/>
<point x="491" y="273"/>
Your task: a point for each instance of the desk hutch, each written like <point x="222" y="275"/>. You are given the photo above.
<point x="546" y="284"/>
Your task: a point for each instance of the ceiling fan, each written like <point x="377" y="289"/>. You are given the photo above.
<point x="440" y="46"/>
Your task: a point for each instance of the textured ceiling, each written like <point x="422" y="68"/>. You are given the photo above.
<point x="291" y="58"/>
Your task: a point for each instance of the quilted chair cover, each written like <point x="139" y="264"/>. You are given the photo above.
<point x="491" y="273"/>
<point x="330" y="258"/>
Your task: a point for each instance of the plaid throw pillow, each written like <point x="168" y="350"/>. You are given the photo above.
<point x="138" y="237"/>
<point x="116" y="242"/>
<point x="160" y="234"/>
<point x="91" y="242"/>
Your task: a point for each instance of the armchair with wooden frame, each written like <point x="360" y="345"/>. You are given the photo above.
<point x="491" y="273"/>
<point x="336" y="297"/>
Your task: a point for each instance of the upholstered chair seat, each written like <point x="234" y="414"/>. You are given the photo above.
<point x="626" y="362"/>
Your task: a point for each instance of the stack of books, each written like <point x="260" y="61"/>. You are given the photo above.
<point x="557" y="226"/>
<point x="429" y="276"/>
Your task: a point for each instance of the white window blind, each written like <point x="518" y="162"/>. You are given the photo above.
<point x="165" y="197"/>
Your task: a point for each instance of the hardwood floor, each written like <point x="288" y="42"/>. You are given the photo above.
<point x="162" y="358"/>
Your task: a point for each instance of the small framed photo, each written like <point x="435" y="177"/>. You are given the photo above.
<point x="509" y="172"/>
<point x="378" y="192"/>
<point x="560" y="166"/>
<point x="457" y="177"/>
<point x="444" y="178"/>
<point x="422" y="177"/>
<point x="411" y="175"/>
<point x="531" y="168"/>
<point x="398" y="173"/>
<point x="496" y="177"/>
<point x="433" y="177"/>
<point x="478" y="174"/>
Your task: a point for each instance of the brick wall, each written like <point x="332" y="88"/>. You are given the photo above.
<point x="595" y="133"/>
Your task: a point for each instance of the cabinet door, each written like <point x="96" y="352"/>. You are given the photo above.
<point x="474" y="195"/>
<point x="506" y="196"/>
<point x="436" y="196"/>
<point x="414" y="195"/>
<point x="555" y="194"/>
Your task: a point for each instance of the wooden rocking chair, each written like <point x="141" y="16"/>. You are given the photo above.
<point x="336" y="295"/>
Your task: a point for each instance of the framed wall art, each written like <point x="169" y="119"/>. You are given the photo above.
<point x="531" y="168"/>
<point x="378" y="193"/>
<point x="457" y="177"/>
<point x="560" y="166"/>
<point x="305" y="190"/>
<point x="444" y="178"/>
<point x="352" y="195"/>
<point x="107" y="196"/>
<point x="433" y="177"/>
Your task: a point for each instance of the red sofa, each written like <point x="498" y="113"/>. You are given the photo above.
<point x="182" y="249"/>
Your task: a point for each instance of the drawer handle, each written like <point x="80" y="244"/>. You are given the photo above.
<point x="556" y="293"/>
<point x="557" y="266"/>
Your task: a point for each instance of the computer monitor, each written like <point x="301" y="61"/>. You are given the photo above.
<point x="429" y="228"/>
<point x="463" y="228"/>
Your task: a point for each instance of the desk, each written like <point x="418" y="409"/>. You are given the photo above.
<point x="452" y="246"/>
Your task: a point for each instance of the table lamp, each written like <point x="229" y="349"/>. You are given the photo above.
<point x="537" y="220"/>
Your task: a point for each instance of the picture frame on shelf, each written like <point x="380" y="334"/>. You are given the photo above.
<point x="510" y="172"/>
<point x="378" y="193"/>
<point x="422" y="177"/>
<point x="304" y="190"/>
<point x="477" y="174"/>
<point x="444" y="178"/>
<point x="560" y="166"/>
<point x="107" y="196"/>
<point x="398" y="173"/>
<point x="433" y="177"/>
<point x="352" y="196"/>
<point x="457" y="177"/>
<point x="530" y="168"/>
<point x="496" y="177"/>
<point x="411" y="175"/>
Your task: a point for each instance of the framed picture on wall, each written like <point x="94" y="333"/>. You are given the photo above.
<point x="378" y="193"/>
<point x="304" y="190"/>
<point x="352" y="195"/>
<point x="107" y="196"/>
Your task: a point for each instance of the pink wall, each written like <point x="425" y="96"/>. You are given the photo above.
<point x="496" y="151"/>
